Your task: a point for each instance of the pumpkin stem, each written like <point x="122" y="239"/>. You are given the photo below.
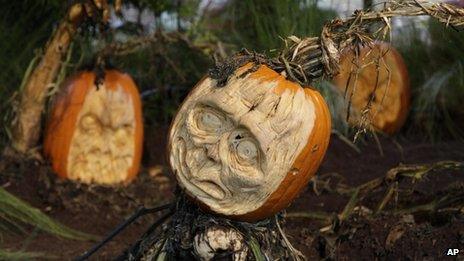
<point x="308" y="59"/>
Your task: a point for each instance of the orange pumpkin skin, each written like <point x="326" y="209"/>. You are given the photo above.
<point x="400" y="83"/>
<point x="307" y="162"/>
<point x="305" y="165"/>
<point x="64" y="115"/>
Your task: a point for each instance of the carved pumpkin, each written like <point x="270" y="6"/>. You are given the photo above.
<point x="95" y="135"/>
<point x="245" y="150"/>
<point x="391" y="101"/>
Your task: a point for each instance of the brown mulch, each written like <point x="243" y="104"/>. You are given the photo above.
<point x="410" y="236"/>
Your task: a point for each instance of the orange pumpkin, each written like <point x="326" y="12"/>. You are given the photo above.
<point x="245" y="150"/>
<point x="95" y="135"/>
<point x="391" y="98"/>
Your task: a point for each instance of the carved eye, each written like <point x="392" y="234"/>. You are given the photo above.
<point x="90" y="123"/>
<point x="247" y="150"/>
<point x="244" y="146"/>
<point x="209" y="121"/>
<point x="206" y="124"/>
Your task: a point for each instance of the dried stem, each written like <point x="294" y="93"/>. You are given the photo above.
<point x="26" y="127"/>
<point x="453" y="195"/>
<point x="307" y="59"/>
<point x="136" y="44"/>
<point x="27" y="124"/>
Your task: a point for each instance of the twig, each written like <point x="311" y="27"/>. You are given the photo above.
<point x="339" y="34"/>
<point x="346" y="141"/>
<point x="296" y="255"/>
<point x="400" y="148"/>
<point x="379" y="145"/>
<point x="311" y="215"/>
<point x="418" y="172"/>
<point x="391" y="189"/>
<point x="350" y="206"/>
<point x="136" y="44"/>
<point x="432" y="206"/>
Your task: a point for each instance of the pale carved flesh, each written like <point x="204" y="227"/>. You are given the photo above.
<point x="218" y="239"/>
<point x="379" y="76"/>
<point x="102" y="147"/>
<point x="232" y="146"/>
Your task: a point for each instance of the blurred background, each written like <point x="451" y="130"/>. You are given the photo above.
<point x="179" y="40"/>
<point x="166" y="69"/>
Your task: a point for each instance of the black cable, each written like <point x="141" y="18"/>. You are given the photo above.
<point x="140" y="212"/>
<point x="137" y="249"/>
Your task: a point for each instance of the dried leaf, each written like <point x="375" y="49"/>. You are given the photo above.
<point x="395" y="234"/>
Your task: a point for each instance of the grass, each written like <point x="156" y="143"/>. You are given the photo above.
<point x="24" y="29"/>
<point x="337" y="106"/>
<point x="261" y="25"/>
<point x="165" y="72"/>
<point x="258" y="25"/>
<point x="21" y="255"/>
<point x="15" y="213"/>
<point x="436" y="72"/>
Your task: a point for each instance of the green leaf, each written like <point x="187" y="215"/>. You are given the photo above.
<point x="15" y="211"/>
<point x="256" y="249"/>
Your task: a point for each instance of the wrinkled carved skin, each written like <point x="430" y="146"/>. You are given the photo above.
<point x="95" y="135"/>
<point x="391" y="102"/>
<point x="216" y="240"/>
<point x="246" y="149"/>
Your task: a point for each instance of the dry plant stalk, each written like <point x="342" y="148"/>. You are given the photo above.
<point x="390" y="182"/>
<point x="304" y="60"/>
<point x="159" y="39"/>
<point x="26" y="126"/>
<point x="307" y="59"/>
<point x="192" y="234"/>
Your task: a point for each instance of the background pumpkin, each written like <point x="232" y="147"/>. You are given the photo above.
<point x="95" y="135"/>
<point x="246" y="149"/>
<point x="391" y="101"/>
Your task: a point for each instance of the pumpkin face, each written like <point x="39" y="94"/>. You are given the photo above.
<point x="245" y="150"/>
<point x="391" y="97"/>
<point x="95" y="135"/>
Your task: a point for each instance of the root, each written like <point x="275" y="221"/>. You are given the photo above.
<point x="191" y="234"/>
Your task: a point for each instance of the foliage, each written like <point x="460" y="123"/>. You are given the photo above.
<point x="337" y="106"/>
<point x="14" y="213"/>
<point x="24" y="29"/>
<point x="166" y="71"/>
<point x="255" y="25"/>
<point x="7" y="255"/>
<point x="162" y="78"/>
<point x="436" y="68"/>
<point x="261" y="25"/>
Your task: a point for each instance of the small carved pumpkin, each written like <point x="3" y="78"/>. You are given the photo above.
<point x="95" y="135"/>
<point x="383" y="65"/>
<point x="245" y="150"/>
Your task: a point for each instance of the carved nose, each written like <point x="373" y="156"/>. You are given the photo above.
<point x="212" y="152"/>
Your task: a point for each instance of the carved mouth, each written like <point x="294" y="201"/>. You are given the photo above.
<point x="211" y="189"/>
<point x="207" y="179"/>
<point x="201" y="172"/>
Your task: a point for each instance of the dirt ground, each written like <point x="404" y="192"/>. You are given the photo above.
<point x="421" y="218"/>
